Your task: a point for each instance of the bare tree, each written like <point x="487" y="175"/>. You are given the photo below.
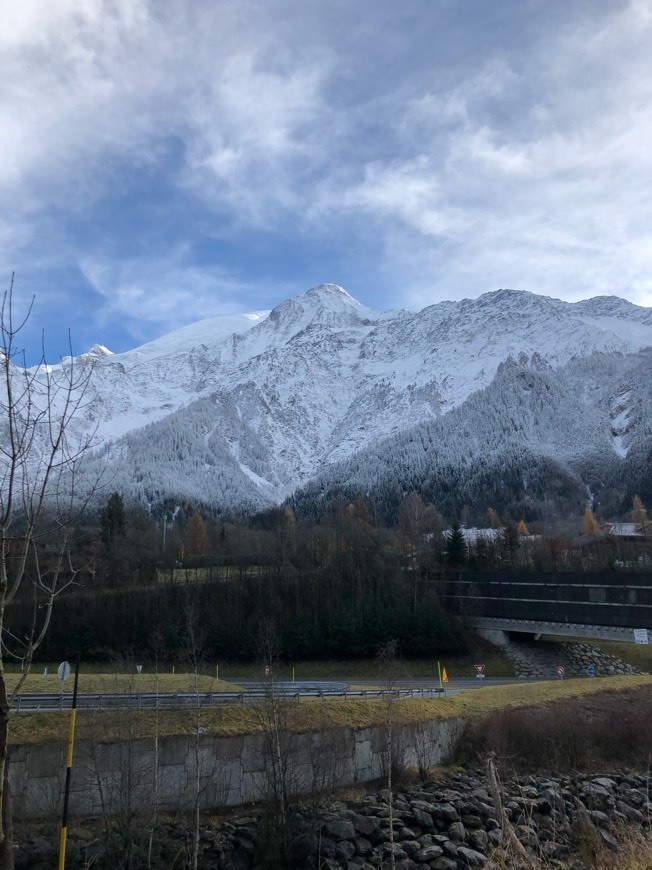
<point x="390" y="672"/>
<point x="279" y="751"/>
<point x="203" y="772"/>
<point x="39" y="470"/>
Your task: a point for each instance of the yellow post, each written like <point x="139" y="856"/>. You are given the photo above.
<point x="217" y="672"/>
<point x="66" y="794"/>
<point x="441" y="685"/>
<point x="64" y="826"/>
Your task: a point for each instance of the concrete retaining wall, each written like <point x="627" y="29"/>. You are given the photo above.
<point x="116" y="778"/>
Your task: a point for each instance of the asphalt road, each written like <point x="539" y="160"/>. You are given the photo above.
<point x="256" y="690"/>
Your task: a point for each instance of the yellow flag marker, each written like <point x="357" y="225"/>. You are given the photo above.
<point x="444" y="676"/>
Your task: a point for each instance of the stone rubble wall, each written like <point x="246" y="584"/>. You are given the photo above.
<point x="230" y="770"/>
<point x="452" y="823"/>
<point x="448" y="823"/>
<point x="539" y="659"/>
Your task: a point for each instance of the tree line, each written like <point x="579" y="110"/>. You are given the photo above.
<point x="336" y="587"/>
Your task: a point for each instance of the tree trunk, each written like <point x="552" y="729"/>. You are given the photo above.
<point x="7" y="844"/>
<point x="6" y="828"/>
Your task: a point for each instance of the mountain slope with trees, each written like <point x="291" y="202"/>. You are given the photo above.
<point x="536" y="442"/>
<point x="528" y="400"/>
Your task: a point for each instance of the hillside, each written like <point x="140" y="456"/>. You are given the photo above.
<point x="507" y="399"/>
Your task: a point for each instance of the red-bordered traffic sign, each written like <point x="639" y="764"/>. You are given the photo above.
<point x="479" y="668"/>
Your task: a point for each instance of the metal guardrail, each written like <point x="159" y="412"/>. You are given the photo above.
<point x="182" y="700"/>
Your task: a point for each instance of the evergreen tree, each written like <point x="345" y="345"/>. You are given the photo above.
<point x="456" y="550"/>
<point x="509" y="541"/>
<point x="113" y="529"/>
<point x="112" y="520"/>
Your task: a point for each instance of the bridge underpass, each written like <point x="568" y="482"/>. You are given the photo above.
<point x="604" y="606"/>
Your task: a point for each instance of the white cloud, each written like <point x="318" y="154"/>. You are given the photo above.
<point x="91" y="84"/>
<point x="153" y="295"/>
<point x="251" y="136"/>
<point x="539" y="178"/>
<point x="521" y="159"/>
<point x="156" y="289"/>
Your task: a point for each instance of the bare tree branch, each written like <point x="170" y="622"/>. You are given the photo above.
<point x="40" y="456"/>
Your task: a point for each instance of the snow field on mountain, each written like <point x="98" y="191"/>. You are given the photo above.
<point x="241" y="411"/>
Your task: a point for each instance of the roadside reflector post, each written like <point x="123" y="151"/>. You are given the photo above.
<point x="71" y="744"/>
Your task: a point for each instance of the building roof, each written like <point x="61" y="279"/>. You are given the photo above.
<point x="626" y="530"/>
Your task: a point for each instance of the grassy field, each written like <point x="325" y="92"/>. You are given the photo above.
<point x="97" y="677"/>
<point x="307" y="715"/>
<point x="102" y="683"/>
<point x="367" y="669"/>
<point x="496" y="665"/>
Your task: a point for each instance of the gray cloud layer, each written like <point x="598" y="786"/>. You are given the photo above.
<point x="475" y="147"/>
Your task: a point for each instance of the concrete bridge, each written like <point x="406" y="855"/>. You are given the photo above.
<point x="605" y="606"/>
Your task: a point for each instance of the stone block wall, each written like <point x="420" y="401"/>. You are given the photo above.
<point x="117" y="777"/>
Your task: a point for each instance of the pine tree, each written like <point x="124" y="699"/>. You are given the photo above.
<point x="509" y="541"/>
<point x="113" y="530"/>
<point x="456" y="550"/>
<point x="112" y="520"/>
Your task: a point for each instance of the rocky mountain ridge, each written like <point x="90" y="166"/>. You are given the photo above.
<point x="242" y="411"/>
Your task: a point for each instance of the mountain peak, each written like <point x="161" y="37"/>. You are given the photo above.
<point x="264" y="402"/>
<point x="330" y="292"/>
<point x="327" y="303"/>
<point x="515" y="298"/>
<point x="610" y="306"/>
<point x="98" y="351"/>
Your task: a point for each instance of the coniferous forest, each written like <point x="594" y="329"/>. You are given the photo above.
<point x="336" y="586"/>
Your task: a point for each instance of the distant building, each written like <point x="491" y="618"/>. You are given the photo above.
<point x="629" y="531"/>
<point x="472" y="536"/>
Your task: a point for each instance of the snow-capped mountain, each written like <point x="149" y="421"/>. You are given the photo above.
<point x="241" y="411"/>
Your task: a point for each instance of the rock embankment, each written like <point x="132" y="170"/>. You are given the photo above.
<point x="447" y="824"/>
<point x="453" y="823"/>
<point x="540" y="659"/>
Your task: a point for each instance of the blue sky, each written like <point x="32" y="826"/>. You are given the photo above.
<point x="162" y="162"/>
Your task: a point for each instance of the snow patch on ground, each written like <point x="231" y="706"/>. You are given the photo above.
<point x="620" y="424"/>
